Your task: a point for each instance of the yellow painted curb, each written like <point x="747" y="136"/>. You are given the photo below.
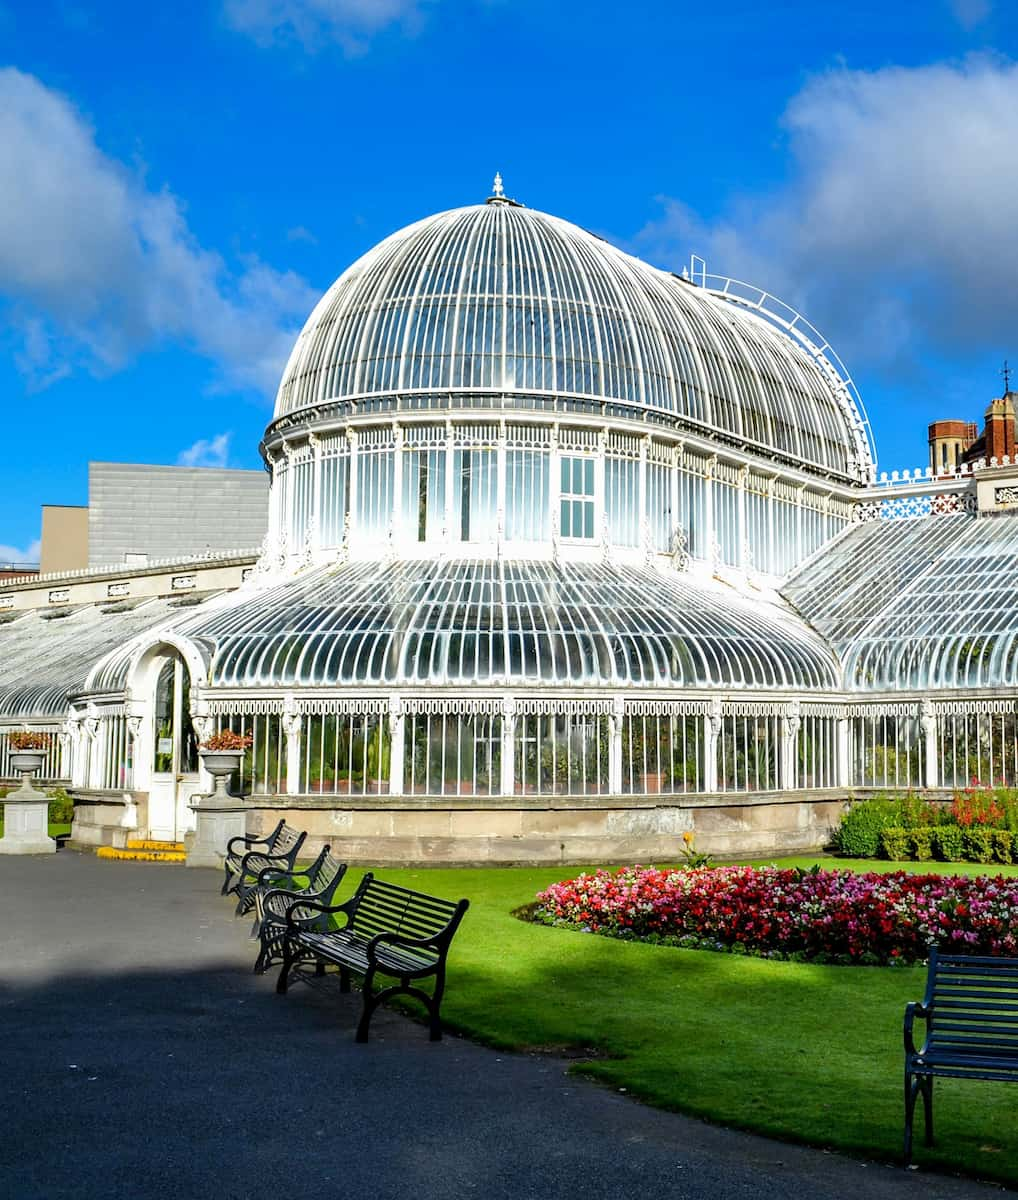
<point x="163" y="856"/>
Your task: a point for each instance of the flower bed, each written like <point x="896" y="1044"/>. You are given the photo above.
<point x="822" y="916"/>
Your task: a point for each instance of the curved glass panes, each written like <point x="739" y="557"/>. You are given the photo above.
<point x="486" y="622"/>
<point x="44" y="656"/>
<point x="506" y="299"/>
<point x="916" y="604"/>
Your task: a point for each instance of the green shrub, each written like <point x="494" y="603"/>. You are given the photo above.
<point x="950" y="843"/>
<point x="61" y="807"/>
<point x="978" y="843"/>
<point x="1003" y="846"/>
<point x="922" y="844"/>
<point x="894" y="843"/>
<point x="1007" y="798"/>
<point x="917" y="813"/>
<point x="858" y="835"/>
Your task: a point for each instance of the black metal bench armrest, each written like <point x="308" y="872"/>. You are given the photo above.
<point x="395" y="939"/>
<point x="913" y="1010"/>
<point x="247" y="841"/>
<point x="251" y="839"/>
<point x="295" y="898"/>
<point x="293" y="873"/>
<point x="315" y="906"/>
<point x="271" y="874"/>
<point x="285" y="859"/>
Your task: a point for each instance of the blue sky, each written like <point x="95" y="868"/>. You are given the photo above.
<point x="178" y="184"/>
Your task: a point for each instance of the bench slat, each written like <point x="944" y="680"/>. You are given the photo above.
<point x="964" y="983"/>
<point x="971" y="1060"/>
<point x="953" y="959"/>
<point x="971" y="1006"/>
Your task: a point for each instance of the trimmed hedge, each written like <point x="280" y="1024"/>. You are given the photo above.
<point x="858" y="835"/>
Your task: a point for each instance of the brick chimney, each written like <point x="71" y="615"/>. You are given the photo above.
<point x="1000" y="431"/>
<point x="949" y="441"/>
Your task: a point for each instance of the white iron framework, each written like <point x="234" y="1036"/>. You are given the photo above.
<point x="547" y="521"/>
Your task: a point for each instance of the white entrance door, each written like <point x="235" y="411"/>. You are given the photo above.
<point x="174" y="755"/>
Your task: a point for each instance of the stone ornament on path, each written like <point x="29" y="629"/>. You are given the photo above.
<point x="26" y="811"/>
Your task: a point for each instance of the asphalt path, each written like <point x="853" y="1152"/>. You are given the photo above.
<point x="143" y="1060"/>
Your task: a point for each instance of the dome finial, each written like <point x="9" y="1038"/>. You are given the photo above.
<point x="498" y="195"/>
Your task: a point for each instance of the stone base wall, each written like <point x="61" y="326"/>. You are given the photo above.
<point x="98" y="816"/>
<point x="522" y="830"/>
<point x="390" y="830"/>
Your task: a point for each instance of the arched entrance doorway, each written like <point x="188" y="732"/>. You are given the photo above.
<point x="173" y="766"/>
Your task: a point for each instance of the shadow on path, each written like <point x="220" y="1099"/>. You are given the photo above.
<point x="142" y="1059"/>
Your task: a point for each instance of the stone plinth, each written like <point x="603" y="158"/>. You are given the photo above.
<point x="26" y="821"/>
<point x="219" y="818"/>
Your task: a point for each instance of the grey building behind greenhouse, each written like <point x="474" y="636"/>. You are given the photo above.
<point x="566" y="555"/>
<point x="139" y="513"/>
<point x="165" y="512"/>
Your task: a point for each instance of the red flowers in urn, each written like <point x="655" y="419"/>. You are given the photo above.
<point x="226" y="739"/>
<point x="28" y="739"/>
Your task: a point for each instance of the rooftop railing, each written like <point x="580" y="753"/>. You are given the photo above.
<point x="95" y="572"/>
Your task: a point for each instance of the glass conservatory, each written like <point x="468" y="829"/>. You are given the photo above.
<point x="548" y="521"/>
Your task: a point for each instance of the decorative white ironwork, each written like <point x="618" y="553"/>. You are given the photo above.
<point x="680" y="549"/>
<point x="816" y="345"/>
<point x="203" y="725"/>
<point x="530" y="705"/>
<point x="666" y="708"/>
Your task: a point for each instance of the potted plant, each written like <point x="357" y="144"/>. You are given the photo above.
<point x="28" y="750"/>
<point x="25" y="810"/>
<point x="222" y="755"/>
<point x="378" y="760"/>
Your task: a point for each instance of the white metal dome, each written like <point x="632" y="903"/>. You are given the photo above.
<point x="501" y="300"/>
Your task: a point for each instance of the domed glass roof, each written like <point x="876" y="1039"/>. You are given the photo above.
<point x="488" y="623"/>
<point x="504" y="299"/>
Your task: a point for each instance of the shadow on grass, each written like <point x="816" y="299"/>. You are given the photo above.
<point x="796" y="1051"/>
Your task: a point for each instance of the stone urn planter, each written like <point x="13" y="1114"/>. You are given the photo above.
<point x="219" y="817"/>
<point x="221" y="764"/>
<point x="26" y="811"/>
<point x="27" y="763"/>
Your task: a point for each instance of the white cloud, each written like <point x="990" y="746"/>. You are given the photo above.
<point x="300" y="234"/>
<point x="207" y="452"/>
<point x="15" y="554"/>
<point x="97" y="267"/>
<point x="898" y="220"/>
<point x="314" y="23"/>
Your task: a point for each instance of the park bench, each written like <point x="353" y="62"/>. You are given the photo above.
<point x="971" y="1014"/>
<point x="247" y="857"/>
<point x="389" y="931"/>
<point x="274" y="899"/>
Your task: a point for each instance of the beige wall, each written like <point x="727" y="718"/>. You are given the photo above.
<point x="518" y="830"/>
<point x="64" y="538"/>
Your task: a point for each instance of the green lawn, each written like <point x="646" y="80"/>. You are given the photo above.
<point x="802" y="1052"/>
